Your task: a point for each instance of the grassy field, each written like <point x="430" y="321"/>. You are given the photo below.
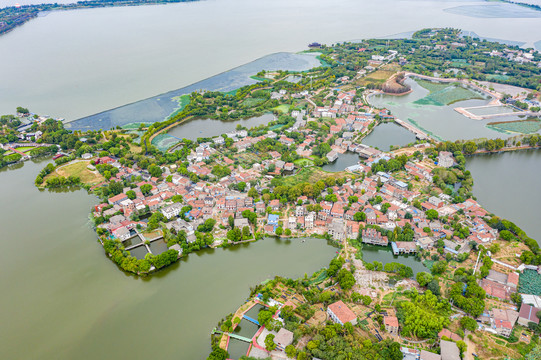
<point x="379" y="76"/>
<point x="251" y="102"/>
<point x="152" y="235"/>
<point x="25" y="149"/>
<point x="284" y="108"/>
<point x="303" y="162"/>
<point x="80" y="170"/>
<point x="312" y="175"/>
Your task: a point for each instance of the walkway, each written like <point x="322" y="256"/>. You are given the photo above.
<point x="234" y="336"/>
<point x="419" y="134"/>
<point x="251" y="320"/>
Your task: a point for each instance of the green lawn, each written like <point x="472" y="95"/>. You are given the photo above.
<point x="303" y="162"/>
<point x="251" y="102"/>
<point x="24" y="149"/>
<point x="78" y="169"/>
<point x="284" y="108"/>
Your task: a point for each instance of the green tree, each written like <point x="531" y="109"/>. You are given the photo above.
<point x="252" y="193"/>
<point x="359" y="216"/>
<point x="291" y="351"/>
<point x="423" y="278"/>
<point x="218" y="354"/>
<point x="155" y="171"/>
<point x="145" y="189"/>
<point x="431" y="214"/>
<point x="131" y="194"/>
<point x="207" y="226"/>
<point x="269" y="342"/>
<point x="346" y="279"/>
<point x="241" y="186"/>
<point x="246" y="233"/>
<point x="468" y="323"/>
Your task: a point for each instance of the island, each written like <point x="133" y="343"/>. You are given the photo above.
<point x="480" y="292"/>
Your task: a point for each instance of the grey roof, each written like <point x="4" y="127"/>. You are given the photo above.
<point x="425" y="355"/>
<point x="497" y="276"/>
<point x="449" y="350"/>
<point x="284" y="337"/>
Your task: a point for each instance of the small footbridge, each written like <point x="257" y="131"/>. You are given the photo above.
<point x="234" y="336"/>
<point x="251" y="320"/>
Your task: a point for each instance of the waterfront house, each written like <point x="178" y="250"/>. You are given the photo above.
<point x="404" y="247"/>
<point x="121" y="233"/>
<point x="332" y="156"/>
<point x="445" y="159"/>
<point x="337" y="229"/>
<point x="374" y="237"/>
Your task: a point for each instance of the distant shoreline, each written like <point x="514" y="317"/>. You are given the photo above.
<point x="13" y="16"/>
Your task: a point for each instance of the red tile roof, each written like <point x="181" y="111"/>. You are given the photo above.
<point x="342" y="312"/>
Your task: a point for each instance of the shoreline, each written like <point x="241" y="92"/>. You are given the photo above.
<point x="163" y="94"/>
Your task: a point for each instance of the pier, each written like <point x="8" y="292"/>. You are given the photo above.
<point x="421" y="135"/>
<point x="466" y="112"/>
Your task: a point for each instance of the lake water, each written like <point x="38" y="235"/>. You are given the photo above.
<point x="386" y="135"/>
<point x="70" y="302"/>
<point x="62" y="295"/>
<point x="508" y="185"/>
<point x="343" y="161"/>
<point x="385" y="255"/>
<point x="197" y="128"/>
<point x="442" y="122"/>
<point x="159" y="107"/>
<point x="71" y="68"/>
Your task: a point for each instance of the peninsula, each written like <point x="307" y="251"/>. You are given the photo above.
<point x="480" y="291"/>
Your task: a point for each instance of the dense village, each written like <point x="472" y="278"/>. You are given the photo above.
<point x="479" y="296"/>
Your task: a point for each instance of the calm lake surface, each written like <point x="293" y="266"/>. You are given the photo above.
<point x="385" y="255"/>
<point x="71" y="68"/>
<point x="70" y="302"/>
<point x="344" y="160"/>
<point x="386" y="135"/>
<point x="196" y="128"/>
<point x="508" y="185"/>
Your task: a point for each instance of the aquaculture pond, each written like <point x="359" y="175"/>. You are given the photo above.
<point x="430" y="107"/>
